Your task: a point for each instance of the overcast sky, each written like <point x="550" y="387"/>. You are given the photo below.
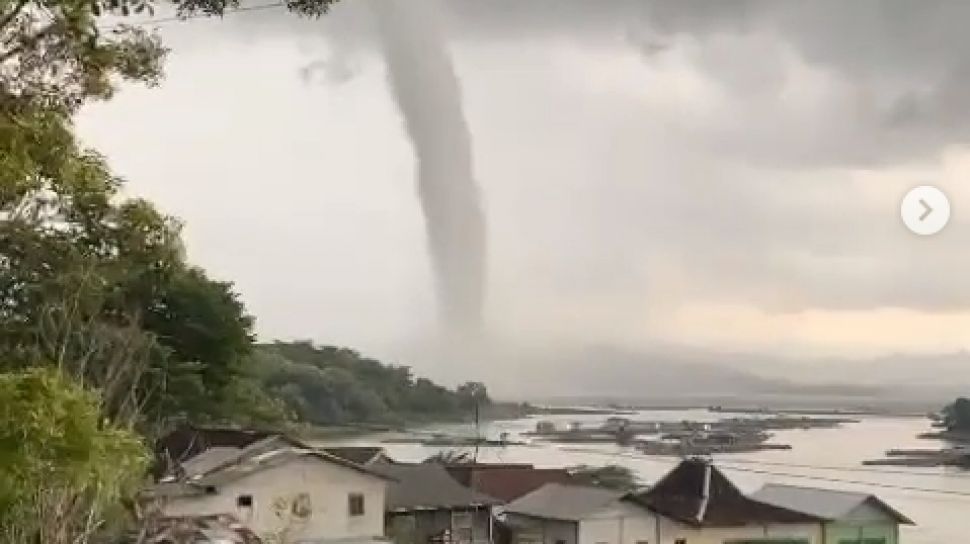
<point x="723" y="175"/>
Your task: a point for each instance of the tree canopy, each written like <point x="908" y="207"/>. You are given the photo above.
<point x="61" y="467"/>
<point x="328" y="385"/>
<point x="98" y="285"/>
<point x="106" y="328"/>
<point x="58" y="54"/>
<point x="956" y="416"/>
<point x="615" y="477"/>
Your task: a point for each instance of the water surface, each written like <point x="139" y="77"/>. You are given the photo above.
<point x="829" y="458"/>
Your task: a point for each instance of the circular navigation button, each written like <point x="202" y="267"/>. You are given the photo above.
<point x="925" y="210"/>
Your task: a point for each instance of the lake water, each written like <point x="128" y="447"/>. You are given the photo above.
<point x="829" y="458"/>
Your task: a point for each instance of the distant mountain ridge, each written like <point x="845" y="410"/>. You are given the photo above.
<point x="672" y="373"/>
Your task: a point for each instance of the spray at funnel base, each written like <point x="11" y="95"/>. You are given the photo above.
<point x="424" y="84"/>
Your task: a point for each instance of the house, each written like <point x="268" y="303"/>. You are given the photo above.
<point x="425" y="504"/>
<point x="847" y="516"/>
<point x="570" y="514"/>
<point x="507" y="482"/>
<point x="695" y="503"/>
<point x="281" y="493"/>
<point x="187" y="441"/>
<point x="362" y="455"/>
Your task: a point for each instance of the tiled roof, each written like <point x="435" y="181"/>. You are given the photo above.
<point x="830" y="504"/>
<point x="426" y="486"/>
<point x="361" y="455"/>
<point x="697" y="493"/>
<point x="507" y="482"/>
<point x="563" y="502"/>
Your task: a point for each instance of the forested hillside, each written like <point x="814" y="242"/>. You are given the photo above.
<point x="328" y="385"/>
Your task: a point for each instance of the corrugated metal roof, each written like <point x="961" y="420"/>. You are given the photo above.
<point x="427" y="486"/>
<point x="829" y="504"/>
<point x="362" y="455"/>
<point x="238" y="463"/>
<point x="260" y="460"/>
<point x="563" y="502"/>
<point x="210" y="459"/>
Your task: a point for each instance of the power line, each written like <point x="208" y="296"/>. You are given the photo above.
<point x="843" y="468"/>
<point x="853" y="482"/>
<point x="184" y="18"/>
<point x="727" y="465"/>
<point x="834" y="468"/>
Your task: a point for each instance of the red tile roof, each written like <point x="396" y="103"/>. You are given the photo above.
<point x="507" y="482"/>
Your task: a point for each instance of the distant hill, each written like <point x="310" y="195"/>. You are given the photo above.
<point x="606" y="370"/>
<point x="333" y="386"/>
<point x="681" y="376"/>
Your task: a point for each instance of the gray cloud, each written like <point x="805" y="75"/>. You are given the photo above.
<point x="634" y="156"/>
<point x="901" y="67"/>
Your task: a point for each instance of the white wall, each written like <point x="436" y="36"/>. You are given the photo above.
<point x="624" y="523"/>
<point x="328" y="486"/>
<point x="670" y="531"/>
<point x="546" y="531"/>
<point x="867" y="513"/>
<point x="621" y="523"/>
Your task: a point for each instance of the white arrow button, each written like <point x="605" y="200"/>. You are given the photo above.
<point x="925" y="210"/>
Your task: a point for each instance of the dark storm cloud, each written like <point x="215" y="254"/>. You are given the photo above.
<point x="632" y="154"/>
<point x="903" y="66"/>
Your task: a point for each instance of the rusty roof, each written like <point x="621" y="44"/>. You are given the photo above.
<point x="507" y="482"/>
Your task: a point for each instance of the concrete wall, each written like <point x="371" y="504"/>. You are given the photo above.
<point x="621" y="523"/>
<point x="530" y="530"/>
<point x="624" y="523"/>
<point x="327" y="485"/>
<point x="838" y="532"/>
<point x="670" y="531"/>
<point x="420" y="527"/>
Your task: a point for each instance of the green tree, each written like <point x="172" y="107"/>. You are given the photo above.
<point x="83" y="271"/>
<point x="472" y="394"/>
<point x="62" y="469"/>
<point x="99" y="286"/>
<point x="328" y="385"/>
<point x="450" y="457"/>
<point x="58" y="54"/>
<point x="956" y="415"/>
<point x="610" y="476"/>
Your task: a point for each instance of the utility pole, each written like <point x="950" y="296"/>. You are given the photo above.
<point x="478" y="432"/>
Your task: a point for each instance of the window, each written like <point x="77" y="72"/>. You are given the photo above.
<point x="244" y="501"/>
<point x="355" y="504"/>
